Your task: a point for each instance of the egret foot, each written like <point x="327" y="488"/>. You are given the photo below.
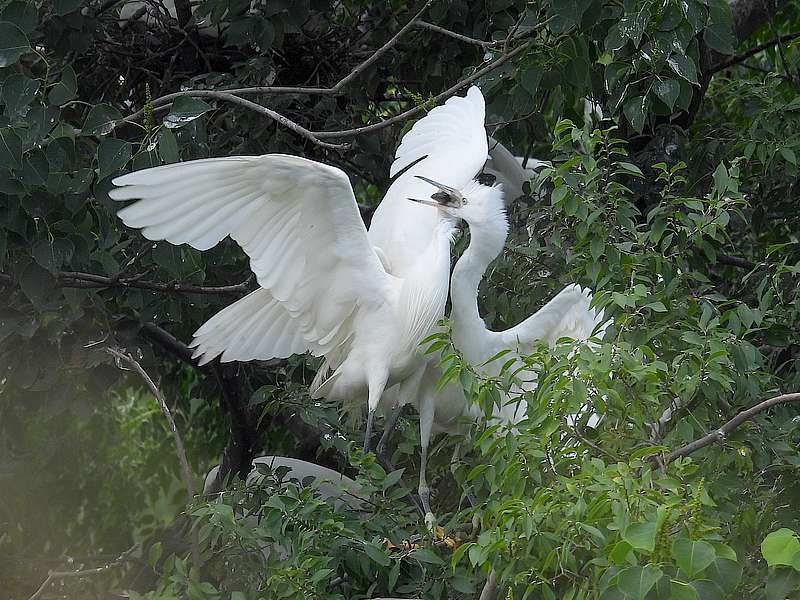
<point x="430" y="523"/>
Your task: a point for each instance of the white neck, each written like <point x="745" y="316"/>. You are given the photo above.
<point x="423" y="294"/>
<point x="486" y="242"/>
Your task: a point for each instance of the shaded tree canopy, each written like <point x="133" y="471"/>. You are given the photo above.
<point x="673" y="129"/>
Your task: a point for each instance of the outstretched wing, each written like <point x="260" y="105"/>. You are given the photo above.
<point x="451" y="141"/>
<point x="569" y="314"/>
<point x="296" y="219"/>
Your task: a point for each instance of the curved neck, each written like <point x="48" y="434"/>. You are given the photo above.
<point x="486" y="242"/>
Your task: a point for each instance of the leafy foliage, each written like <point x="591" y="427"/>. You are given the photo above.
<point x="677" y="206"/>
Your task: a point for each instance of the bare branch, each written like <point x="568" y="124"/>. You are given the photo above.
<point x="229" y="97"/>
<point x="233" y="95"/>
<point x="76" y="279"/>
<point x="54" y="575"/>
<point x="721" y="434"/>
<point x="735" y="60"/>
<point x="453" y="34"/>
<point x="186" y="473"/>
<point x="735" y="261"/>
<point x="310" y="91"/>
<point x="439" y="98"/>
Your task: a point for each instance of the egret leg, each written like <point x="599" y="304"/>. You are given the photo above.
<point x="391" y="423"/>
<point x="368" y="434"/>
<point x="426" y="415"/>
<point x="377" y="383"/>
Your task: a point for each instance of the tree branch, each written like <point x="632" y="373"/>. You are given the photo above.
<point x="53" y="575"/>
<point x="735" y="60"/>
<point x="317" y="137"/>
<point x="439" y="98"/>
<point x="749" y="15"/>
<point x="454" y="35"/>
<point x="186" y="473"/>
<point x="721" y="434"/>
<point x="75" y="279"/>
<point x="736" y="261"/>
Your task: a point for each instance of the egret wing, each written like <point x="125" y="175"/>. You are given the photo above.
<point x="569" y="314"/>
<point x="451" y="143"/>
<point x="296" y="219"/>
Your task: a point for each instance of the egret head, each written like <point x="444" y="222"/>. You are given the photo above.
<point x="475" y="203"/>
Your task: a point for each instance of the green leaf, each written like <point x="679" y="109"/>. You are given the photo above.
<point x="781" y="582"/>
<point x="682" y="591"/>
<point x="112" y="155"/>
<point x="18" y="91"/>
<point x="22" y="14"/>
<point x="392" y="478"/>
<point x="13" y="43"/>
<point x="66" y="89"/>
<point x="725" y="573"/>
<point x="168" y="146"/>
<point x="37" y="284"/>
<point x="184" y="110"/>
<point x="719" y="38"/>
<point x="787" y="153"/>
<point x="636" y="582"/>
<point x="101" y="120"/>
<point x="635" y="111"/>
<point x="53" y="254"/>
<point x="154" y="554"/>
<point x="781" y="547"/>
<point x="377" y="554"/>
<point x="10" y="149"/>
<point x="693" y="557"/>
<point x="708" y="590"/>
<point x="426" y="556"/>
<point x="530" y="78"/>
<point x="64" y="7"/>
<point x="667" y="91"/>
<point x="684" y="66"/>
<point x="641" y="535"/>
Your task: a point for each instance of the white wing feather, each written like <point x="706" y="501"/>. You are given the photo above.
<point x="296" y="219"/>
<point x="568" y="314"/>
<point x="453" y="137"/>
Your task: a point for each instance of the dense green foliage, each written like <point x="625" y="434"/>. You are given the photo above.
<point x="679" y="209"/>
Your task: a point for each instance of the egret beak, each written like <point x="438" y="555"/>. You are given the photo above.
<point x="446" y="196"/>
<point x="446" y="189"/>
<point x="432" y="203"/>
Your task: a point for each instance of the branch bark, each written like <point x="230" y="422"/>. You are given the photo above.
<point x="318" y="137"/>
<point x="75" y="279"/>
<point x="735" y="60"/>
<point x="186" y="473"/>
<point x="54" y="575"/>
<point x="721" y="434"/>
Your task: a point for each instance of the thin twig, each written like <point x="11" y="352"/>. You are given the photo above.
<point x="304" y="90"/>
<point x="735" y="60"/>
<point x="418" y="109"/>
<point x="454" y="35"/>
<point x="54" y="575"/>
<point x="721" y="434"/>
<point x="233" y="95"/>
<point x="186" y="473"/>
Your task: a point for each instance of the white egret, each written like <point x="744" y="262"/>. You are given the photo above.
<point x="323" y="288"/>
<point x="332" y="485"/>
<point x="568" y="314"/>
